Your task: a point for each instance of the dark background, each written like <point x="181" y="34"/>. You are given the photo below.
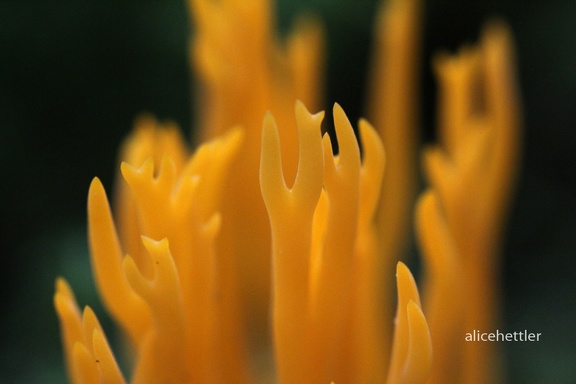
<point x="75" y="74"/>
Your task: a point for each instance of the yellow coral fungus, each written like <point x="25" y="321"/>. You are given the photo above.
<point x="411" y="349"/>
<point x="168" y="300"/>
<point x="263" y="223"/>
<point x="392" y="108"/>
<point x="323" y="310"/>
<point x="461" y="218"/>
<point x="244" y="72"/>
<point x="88" y="354"/>
<point x="189" y="325"/>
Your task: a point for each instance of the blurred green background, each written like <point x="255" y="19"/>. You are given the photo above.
<point x="75" y="74"/>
